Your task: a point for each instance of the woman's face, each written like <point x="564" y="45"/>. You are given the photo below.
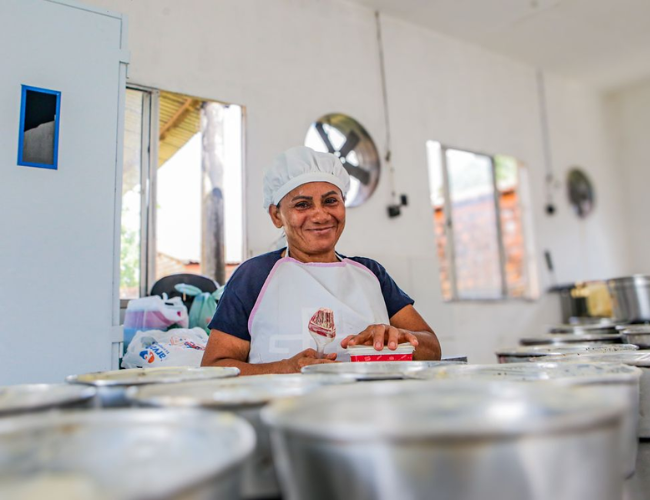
<point x="313" y="217"/>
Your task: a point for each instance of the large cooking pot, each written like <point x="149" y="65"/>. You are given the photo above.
<point x="123" y="455"/>
<point x="244" y="396"/>
<point x="638" y="335"/>
<point x="30" y="398"/>
<point x="112" y="385"/>
<point x="631" y="297"/>
<point x="567" y="338"/>
<point x="582" y="329"/>
<point x="538" y="352"/>
<point x="447" y="440"/>
<point x="375" y="370"/>
<point x="641" y="360"/>
<point x="620" y="381"/>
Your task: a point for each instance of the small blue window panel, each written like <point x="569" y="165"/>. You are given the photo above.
<point x="40" y="114"/>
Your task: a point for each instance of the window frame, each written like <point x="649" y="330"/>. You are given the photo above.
<point x="531" y="293"/>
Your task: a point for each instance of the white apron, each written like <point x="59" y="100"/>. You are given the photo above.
<point x="294" y="291"/>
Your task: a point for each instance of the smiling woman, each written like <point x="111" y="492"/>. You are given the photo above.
<point x="262" y="324"/>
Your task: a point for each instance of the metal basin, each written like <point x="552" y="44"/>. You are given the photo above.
<point x="638" y="335"/>
<point x="123" y="455"/>
<point x="618" y="380"/>
<point x="641" y="360"/>
<point x="40" y="397"/>
<point x="244" y="396"/>
<point x="567" y="338"/>
<point x="631" y="297"/>
<point x="112" y="385"/>
<point x="439" y="441"/>
<point x="581" y="329"/>
<point x="375" y="370"/>
<point x="539" y="352"/>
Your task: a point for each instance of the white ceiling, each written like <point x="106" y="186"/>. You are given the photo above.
<point x="605" y="43"/>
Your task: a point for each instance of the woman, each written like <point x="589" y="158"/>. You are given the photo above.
<point x="262" y="322"/>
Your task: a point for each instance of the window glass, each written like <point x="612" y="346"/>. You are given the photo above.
<point x="474" y="225"/>
<point x="507" y="171"/>
<point x="131" y="196"/>
<point x="437" y="191"/>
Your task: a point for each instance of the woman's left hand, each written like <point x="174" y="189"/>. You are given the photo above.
<point x="380" y="336"/>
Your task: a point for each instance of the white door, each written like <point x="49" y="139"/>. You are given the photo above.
<point x="59" y="229"/>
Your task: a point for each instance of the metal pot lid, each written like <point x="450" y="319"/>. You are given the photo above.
<point x="252" y="390"/>
<point x="374" y="370"/>
<point x="629" y="281"/>
<point x="554" y="339"/>
<point x="569" y="373"/>
<point x="420" y="410"/>
<point x="638" y="358"/>
<point x="561" y="350"/>
<point x="33" y="397"/>
<point x="584" y="329"/>
<point x="636" y="330"/>
<point x="125" y="454"/>
<point x="162" y="375"/>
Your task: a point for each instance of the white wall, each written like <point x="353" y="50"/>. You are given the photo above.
<point x="630" y="118"/>
<point x="290" y="61"/>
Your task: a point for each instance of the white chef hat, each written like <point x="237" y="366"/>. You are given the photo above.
<point x="298" y="166"/>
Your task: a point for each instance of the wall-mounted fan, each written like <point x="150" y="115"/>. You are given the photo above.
<point x="346" y="138"/>
<point x="581" y="192"/>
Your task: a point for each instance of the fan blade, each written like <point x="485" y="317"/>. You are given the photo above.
<point x="363" y="176"/>
<point x="351" y="142"/>
<point x="324" y="137"/>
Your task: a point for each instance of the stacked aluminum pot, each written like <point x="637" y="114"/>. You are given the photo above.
<point x="617" y="381"/>
<point x="538" y="353"/>
<point x="376" y="370"/>
<point x="639" y="359"/>
<point x="31" y="398"/>
<point x="112" y="385"/>
<point x="245" y="397"/>
<point x="631" y="297"/>
<point x="123" y="455"/>
<point x="452" y="440"/>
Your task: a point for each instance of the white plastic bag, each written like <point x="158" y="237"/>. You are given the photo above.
<point x="153" y="313"/>
<point x="177" y="347"/>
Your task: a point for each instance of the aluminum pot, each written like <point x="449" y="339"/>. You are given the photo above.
<point x="638" y="335"/>
<point x="112" y="385"/>
<point x="123" y="455"/>
<point x="616" y="380"/>
<point x="581" y="329"/>
<point x="454" y="440"/>
<point x="640" y="359"/>
<point x="244" y="396"/>
<point x="375" y="370"/>
<point x="567" y="338"/>
<point x="32" y="398"/>
<point x="539" y="352"/>
<point x="631" y="297"/>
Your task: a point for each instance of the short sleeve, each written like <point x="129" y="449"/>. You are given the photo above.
<point x="394" y="297"/>
<point x="240" y="295"/>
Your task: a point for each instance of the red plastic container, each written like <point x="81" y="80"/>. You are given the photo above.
<point x="404" y="352"/>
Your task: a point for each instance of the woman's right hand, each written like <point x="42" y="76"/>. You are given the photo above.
<point x="306" y="358"/>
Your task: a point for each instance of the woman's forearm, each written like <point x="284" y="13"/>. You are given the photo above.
<point x="252" y="369"/>
<point x="428" y="347"/>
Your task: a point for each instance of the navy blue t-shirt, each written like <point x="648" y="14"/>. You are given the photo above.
<point x="246" y="283"/>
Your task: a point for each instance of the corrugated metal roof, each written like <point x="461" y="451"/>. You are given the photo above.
<point x="180" y="120"/>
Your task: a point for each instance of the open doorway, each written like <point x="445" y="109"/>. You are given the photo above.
<point x="183" y="189"/>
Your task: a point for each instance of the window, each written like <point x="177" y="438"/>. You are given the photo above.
<point x="182" y="209"/>
<point x="479" y="217"/>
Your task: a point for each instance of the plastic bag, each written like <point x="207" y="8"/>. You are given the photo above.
<point x="178" y="347"/>
<point x="153" y="313"/>
<point x="203" y="306"/>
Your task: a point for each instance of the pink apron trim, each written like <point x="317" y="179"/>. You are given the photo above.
<point x="361" y="266"/>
